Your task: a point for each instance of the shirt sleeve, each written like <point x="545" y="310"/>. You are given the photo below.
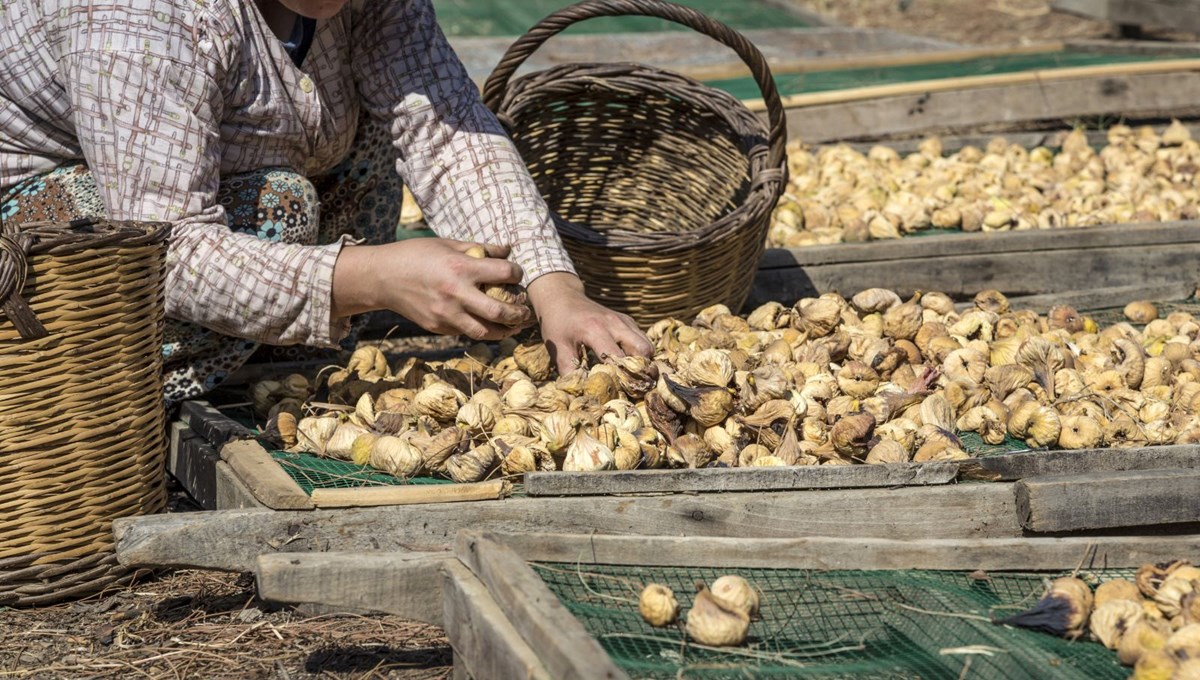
<point x="461" y="166"/>
<point x="149" y="130"/>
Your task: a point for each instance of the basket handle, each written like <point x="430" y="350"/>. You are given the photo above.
<point x="519" y="51"/>
<point x="14" y="266"/>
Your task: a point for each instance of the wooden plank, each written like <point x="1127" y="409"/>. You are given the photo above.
<point x="1016" y="274"/>
<point x="232" y="493"/>
<point x="566" y="649"/>
<point x="1164" y="94"/>
<point x="1170" y="14"/>
<point x="232" y="540"/>
<point x="191" y="460"/>
<point x="264" y="477"/>
<point x="1093" y="9"/>
<point x="486" y="645"/>
<point x="1013" y="466"/>
<point x="850" y="553"/>
<point x="412" y="494"/>
<point x="1150" y="47"/>
<point x="1104" y="500"/>
<point x="406" y="584"/>
<point x="1182" y="233"/>
<point x="738" y="479"/>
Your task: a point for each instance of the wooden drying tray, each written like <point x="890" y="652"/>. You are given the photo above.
<point x="497" y="611"/>
<point x="221" y="465"/>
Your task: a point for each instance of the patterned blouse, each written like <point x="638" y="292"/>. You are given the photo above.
<point x="161" y="98"/>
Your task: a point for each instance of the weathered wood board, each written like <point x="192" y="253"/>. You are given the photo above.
<point x="485" y="643"/>
<point x="1014" y="466"/>
<point x="738" y="479"/>
<point x="403" y="583"/>
<point x="1103" y="500"/>
<point x="1133" y="96"/>
<point x="1020" y="264"/>
<point x="998" y="554"/>
<point x="565" y="648"/>
<point x="233" y="540"/>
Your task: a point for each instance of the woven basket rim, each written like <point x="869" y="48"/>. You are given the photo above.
<point x="746" y="129"/>
<point x="61" y="237"/>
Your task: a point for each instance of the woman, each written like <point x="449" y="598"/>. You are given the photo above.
<point x="262" y="128"/>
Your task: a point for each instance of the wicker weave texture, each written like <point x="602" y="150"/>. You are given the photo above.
<point x="82" y="433"/>
<point x="661" y="187"/>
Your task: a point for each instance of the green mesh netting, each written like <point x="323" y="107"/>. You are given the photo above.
<point x="973" y="444"/>
<point x="836" y="624"/>
<point x="313" y="472"/>
<point x="467" y="18"/>
<point x="840" y="79"/>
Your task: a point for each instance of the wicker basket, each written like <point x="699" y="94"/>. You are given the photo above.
<point x="81" y="408"/>
<point x="661" y="187"/>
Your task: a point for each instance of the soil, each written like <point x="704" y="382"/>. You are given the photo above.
<point x="207" y="624"/>
<point x="971" y="22"/>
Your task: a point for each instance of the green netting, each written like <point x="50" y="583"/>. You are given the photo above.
<point x="478" y="18"/>
<point x="313" y="472"/>
<point x="974" y="445"/>
<point x="836" y="624"/>
<point x="824" y="81"/>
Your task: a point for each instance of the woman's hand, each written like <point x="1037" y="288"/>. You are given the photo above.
<point x="431" y="282"/>
<point x="570" y="320"/>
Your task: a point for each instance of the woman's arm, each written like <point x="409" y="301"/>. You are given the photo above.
<point x="467" y="175"/>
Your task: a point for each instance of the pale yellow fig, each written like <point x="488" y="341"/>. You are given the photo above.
<point x="314" y="432"/>
<point x="658" y="606"/>
<point x="1169" y="596"/>
<point x="473" y="465"/>
<point x="588" y="454"/>
<point x="475" y="418"/>
<point x="439" y="400"/>
<point x="396" y="456"/>
<point x="559" y="429"/>
<point x="858" y="380"/>
<point x="1155" y="665"/>
<point x="709" y="367"/>
<point x="1117" y="589"/>
<point x="750" y="453"/>
<point x="1080" y="432"/>
<point x="712" y="623"/>
<point x="1184" y="643"/>
<point x="850" y="436"/>
<point x="368" y="363"/>
<point x="690" y="451"/>
<point x="902" y="321"/>
<point x="735" y="592"/>
<point x="1143" y="636"/>
<point x="511" y="424"/>
<point x="341" y="443"/>
<point x="875" y="300"/>
<point x="1109" y="621"/>
<point x="887" y="451"/>
<point x="360" y="450"/>
<point x="533" y="358"/>
<point x="936" y="411"/>
<point x="817" y="316"/>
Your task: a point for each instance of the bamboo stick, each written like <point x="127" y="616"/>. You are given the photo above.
<point x="414" y="494"/>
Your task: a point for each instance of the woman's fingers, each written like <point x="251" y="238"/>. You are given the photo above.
<point x="488" y="309"/>
<point x="632" y="340"/>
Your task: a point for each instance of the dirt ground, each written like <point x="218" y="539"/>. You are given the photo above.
<point x="184" y="624"/>
<point x="972" y="22"/>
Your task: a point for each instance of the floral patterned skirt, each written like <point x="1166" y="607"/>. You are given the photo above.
<point x="362" y="197"/>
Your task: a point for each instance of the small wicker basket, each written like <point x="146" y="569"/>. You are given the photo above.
<point x="661" y="187"/>
<point x="81" y="407"/>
